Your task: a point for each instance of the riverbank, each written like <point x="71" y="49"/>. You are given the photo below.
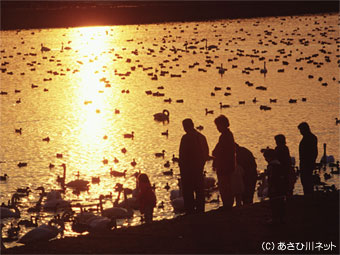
<point x="57" y="14"/>
<point x="243" y="230"/>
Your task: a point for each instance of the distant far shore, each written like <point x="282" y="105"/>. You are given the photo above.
<point x="61" y="14"/>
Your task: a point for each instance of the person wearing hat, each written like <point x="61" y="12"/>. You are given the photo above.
<point x="308" y="151"/>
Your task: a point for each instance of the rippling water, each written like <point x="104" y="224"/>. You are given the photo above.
<point x="78" y="89"/>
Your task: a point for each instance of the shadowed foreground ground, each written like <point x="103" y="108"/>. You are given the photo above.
<point x="241" y="231"/>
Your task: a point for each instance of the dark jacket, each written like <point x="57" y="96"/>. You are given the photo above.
<point x="283" y="155"/>
<point x="193" y="152"/>
<point x="308" y="151"/>
<point x="224" y="153"/>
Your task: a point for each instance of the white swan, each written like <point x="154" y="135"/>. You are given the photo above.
<point x="78" y="184"/>
<point x="100" y="223"/>
<point x="116" y="212"/>
<point x="162" y="116"/>
<point x="54" y="200"/>
<point x="209" y="47"/>
<point x="43" y="232"/>
<point x="6" y="212"/>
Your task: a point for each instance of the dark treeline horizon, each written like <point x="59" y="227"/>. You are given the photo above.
<point x="54" y="14"/>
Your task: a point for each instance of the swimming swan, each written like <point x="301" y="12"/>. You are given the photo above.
<point x="162" y="116"/>
<point x="43" y="232"/>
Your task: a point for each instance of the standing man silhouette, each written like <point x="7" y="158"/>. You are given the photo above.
<point x="193" y="153"/>
<point x="308" y="151"/>
<point x="225" y="161"/>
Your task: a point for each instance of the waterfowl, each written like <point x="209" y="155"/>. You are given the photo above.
<point x="224" y="105"/>
<point x="95" y="179"/>
<point x="162" y="116"/>
<point x="209" y="47"/>
<point x="221" y="70"/>
<point x="167" y="186"/>
<point x="129" y="135"/>
<point x="168" y="173"/>
<point x="174" y="159"/>
<point x="46" y="139"/>
<point x="161" y="205"/>
<point x="123" y="150"/>
<point x="54" y="201"/>
<point x="29" y="223"/>
<point x="337" y="121"/>
<point x="133" y="163"/>
<point x="116" y="212"/>
<point x="79" y="184"/>
<point x="208" y="111"/>
<point x="22" y="164"/>
<point x="4" y="177"/>
<point x="292" y="101"/>
<point x="167" y="164"/>
<point x="264" y="70"/>
<point x="23" y="190"/>
<point x="6" y="212"/>
<point x="160" y="154"/>
<point x="43" y="232"/>
<point x="19" y="131"/>
<point x="117" y="173"/>
<point x="44" y="49"/>
<point x="254" y="100"/>
<point x="200" y="127"/>
<point x="166" y="133"/>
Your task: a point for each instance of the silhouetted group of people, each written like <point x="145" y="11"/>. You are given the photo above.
<point x="236" y="171"/>
<point x="236" y="168"/>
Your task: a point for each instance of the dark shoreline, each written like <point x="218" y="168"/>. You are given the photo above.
<point x="53" y="14"/>
<point x="241" y="231"/>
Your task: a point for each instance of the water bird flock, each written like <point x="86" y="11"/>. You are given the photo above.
<point x="171" y="65"/>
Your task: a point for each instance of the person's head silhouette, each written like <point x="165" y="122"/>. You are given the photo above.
<point x="222" y="123"/>
<point x="280" y="139"/>
<point x="304" y="128"/>
<point x="188" y="125"/>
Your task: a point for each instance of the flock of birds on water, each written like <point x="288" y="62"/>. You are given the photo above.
<point x="94" y="217"/>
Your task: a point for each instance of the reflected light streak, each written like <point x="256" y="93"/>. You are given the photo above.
<point x="95" y="109"/>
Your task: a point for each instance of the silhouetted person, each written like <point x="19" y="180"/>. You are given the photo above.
<point x="146" y="197"/>
<point x="246" y="160"/>
<point x="193" y="153"/>
<point x="224" y="161"/>
<point x="283" y="155"/>
<point x="277" y="186"/>
<point x="308" y="151"/>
